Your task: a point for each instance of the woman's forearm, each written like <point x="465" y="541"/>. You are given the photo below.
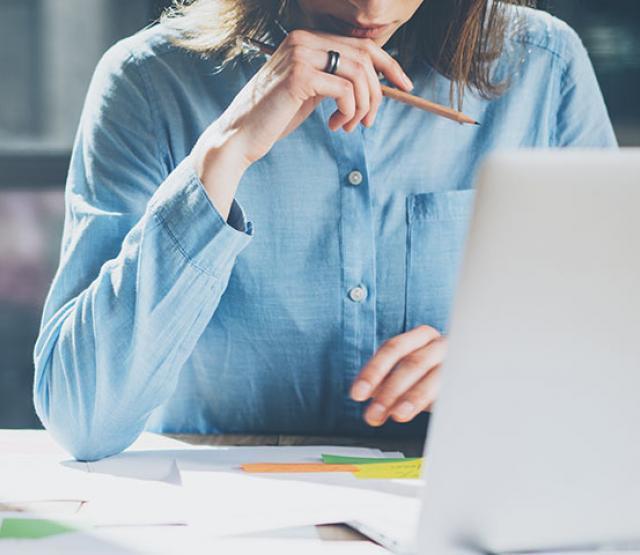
<point x="219" y="158"/>
<point x="111" y="351"/>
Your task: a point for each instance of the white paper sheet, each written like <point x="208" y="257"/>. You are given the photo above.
<point x="40" y="443"/>
<point x="235" y="503"/>
<point x="163" y="482"/>
<point x="157" y="464"/>
<point x="103" y="499"/>
<point x="176" y="540"/>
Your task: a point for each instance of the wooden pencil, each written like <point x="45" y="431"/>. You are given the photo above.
<point x="390" y="92"/>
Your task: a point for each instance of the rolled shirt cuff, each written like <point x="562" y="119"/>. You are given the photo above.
<point x="188" y="216"/>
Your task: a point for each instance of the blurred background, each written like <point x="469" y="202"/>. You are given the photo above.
<point x="48" y="50"/>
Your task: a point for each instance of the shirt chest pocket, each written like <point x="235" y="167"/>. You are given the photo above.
<point x="437" y="225"/>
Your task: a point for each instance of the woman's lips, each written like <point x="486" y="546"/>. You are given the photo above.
<point x="350" y="29"/>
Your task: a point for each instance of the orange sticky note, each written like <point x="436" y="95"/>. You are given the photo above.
<point x="298" y="467"/>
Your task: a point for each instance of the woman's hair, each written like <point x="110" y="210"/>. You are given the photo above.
<point x="458" y="38"/>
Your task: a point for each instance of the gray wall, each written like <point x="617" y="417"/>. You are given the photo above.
<point x="49" y="49"/>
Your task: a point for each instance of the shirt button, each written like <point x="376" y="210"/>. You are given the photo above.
<point x="358" y="294"/>
<point x="355" y="178"/>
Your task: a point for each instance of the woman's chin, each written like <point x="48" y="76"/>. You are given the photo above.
<point x="379" y="35"/>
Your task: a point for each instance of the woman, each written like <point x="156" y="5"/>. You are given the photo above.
<point x="171" y="311"/>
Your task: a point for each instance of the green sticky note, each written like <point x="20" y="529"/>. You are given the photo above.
<point x="399" y="470"/>
<point x="32" y="528"/>
<point x="339" y="459"/>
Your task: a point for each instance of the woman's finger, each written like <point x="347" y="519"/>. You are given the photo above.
<point x="382" y="61"/>
<point x="420" y="398"/>
<point x="324" y="84"/>
<point x="375" y="93"/>
<point x="387" y="356"/>
<point x="406" y="374"/>
<point x="374" y="90"/>
<point x="376" y="96"/>
<point x="342" y="90"/>
<point x="356" y="72"/>
<point x="359" y="71"/>
<point x="355" y="55"/>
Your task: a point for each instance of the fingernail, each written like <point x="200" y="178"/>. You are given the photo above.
<point x="404" y="410"/>
<point x="376" y="413"/>
<point x="407" y="81"/>
<point x="361" y="390"/>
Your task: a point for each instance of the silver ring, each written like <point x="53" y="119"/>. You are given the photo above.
<point x="333" y="62"/>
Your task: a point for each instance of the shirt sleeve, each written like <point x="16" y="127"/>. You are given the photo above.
<point x="144" y="261"/>
<point x="583" y="120"/>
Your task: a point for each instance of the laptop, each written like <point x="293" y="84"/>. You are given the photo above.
<point x="534" y="444"/>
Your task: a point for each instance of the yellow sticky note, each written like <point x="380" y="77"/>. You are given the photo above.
<point x="390" y="471"/>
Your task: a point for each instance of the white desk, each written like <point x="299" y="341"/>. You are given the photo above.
<point x="38" y="446"/>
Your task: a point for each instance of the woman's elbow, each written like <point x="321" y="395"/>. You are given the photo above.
<point x="86" y="435"/>
<point x="86" y="443"/>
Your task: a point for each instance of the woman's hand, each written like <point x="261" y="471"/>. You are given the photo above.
<point x="402" y="377"/>
<point x="284" y="92"/>
<point x="292" y="83"/>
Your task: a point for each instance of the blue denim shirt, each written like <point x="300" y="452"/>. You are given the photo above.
<point x="163" y="316"/>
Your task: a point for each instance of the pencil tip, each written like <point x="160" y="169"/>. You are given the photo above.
<point x="477" y="123"/>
